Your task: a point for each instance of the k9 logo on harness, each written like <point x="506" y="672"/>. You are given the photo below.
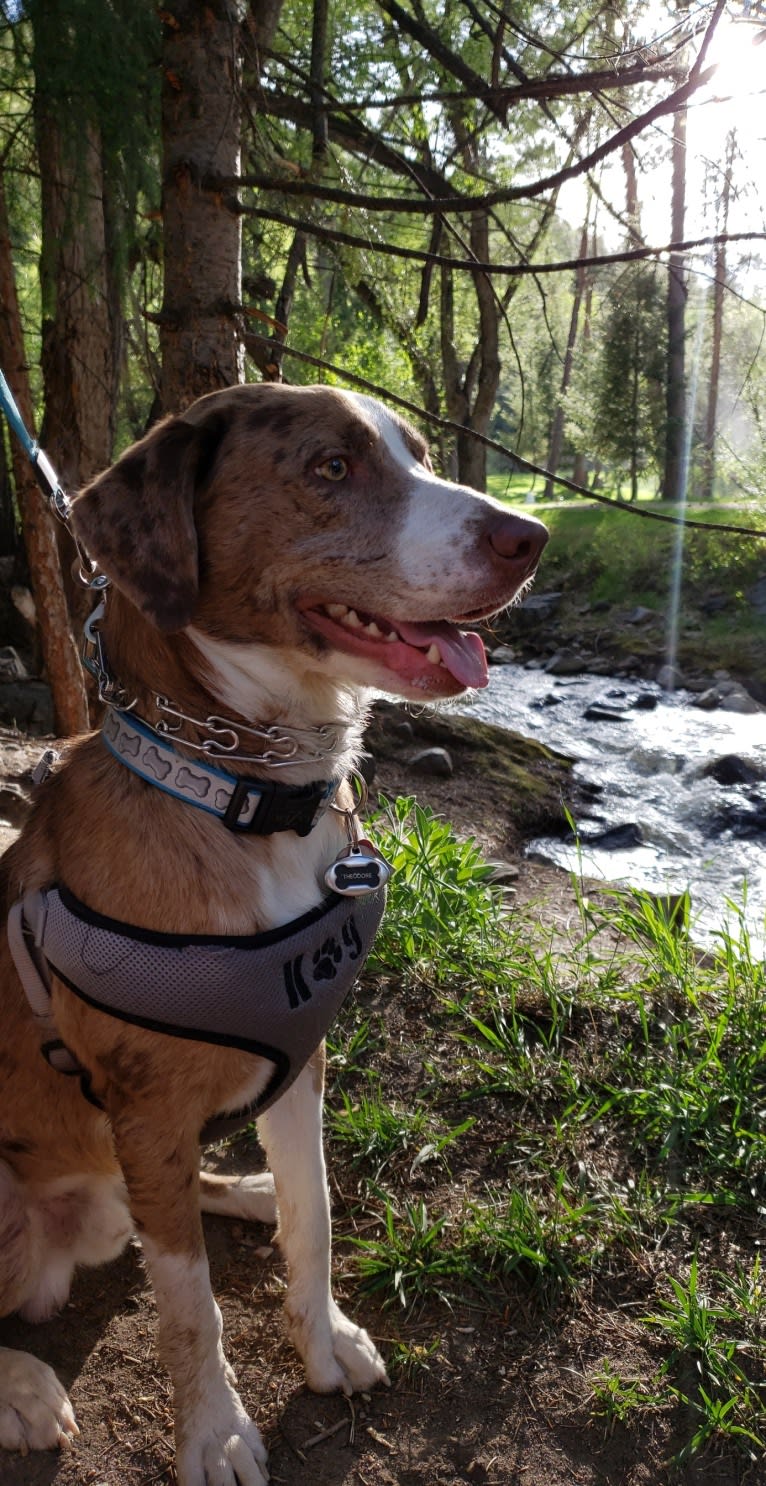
<point x="359" y="869"/>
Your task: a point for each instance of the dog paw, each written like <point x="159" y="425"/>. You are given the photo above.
<point x="217" y="1442"/>
<point x="35" y="1413"/>
<point x="224" y="1458"/>
<point x="337" y="1354"/>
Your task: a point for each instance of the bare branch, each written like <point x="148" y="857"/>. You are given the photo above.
<point x="463" y="203"/>
<point x="500" y="270"/>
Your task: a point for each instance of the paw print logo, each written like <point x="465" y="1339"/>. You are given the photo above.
<point x="327" y="959"/>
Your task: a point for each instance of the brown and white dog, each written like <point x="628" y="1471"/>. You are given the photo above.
<point x="276" y="555"/>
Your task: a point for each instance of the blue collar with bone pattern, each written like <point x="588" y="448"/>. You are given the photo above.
<point x="260" y="806"/>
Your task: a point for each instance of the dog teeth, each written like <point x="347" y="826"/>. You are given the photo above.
<point x="349" y="617"/>
<point x="433" y="654"/>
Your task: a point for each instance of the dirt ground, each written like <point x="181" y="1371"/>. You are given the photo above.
<point x="500" y="1398"/>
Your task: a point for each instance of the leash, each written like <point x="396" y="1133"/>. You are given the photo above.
<point x="50" y="485"/>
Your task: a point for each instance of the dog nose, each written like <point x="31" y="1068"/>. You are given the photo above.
<point x="518" y="538"/>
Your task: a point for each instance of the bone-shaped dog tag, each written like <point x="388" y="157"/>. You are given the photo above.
<point x="357" y="870"/>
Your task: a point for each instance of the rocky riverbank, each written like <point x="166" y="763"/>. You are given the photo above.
<point x="565" y="636"/>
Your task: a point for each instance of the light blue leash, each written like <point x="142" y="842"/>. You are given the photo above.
<point x="47" y="478"/>
<point x="49" y="483"/>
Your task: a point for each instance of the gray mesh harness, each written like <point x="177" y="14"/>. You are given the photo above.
<point x="275" y="994"/>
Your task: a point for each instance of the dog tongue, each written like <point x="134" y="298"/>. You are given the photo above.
<point x="462" y="654"/>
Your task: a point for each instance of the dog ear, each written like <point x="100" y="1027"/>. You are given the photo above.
<point x="137" y="520"/>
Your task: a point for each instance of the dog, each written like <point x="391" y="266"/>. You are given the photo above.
<point x="276" y="556"/>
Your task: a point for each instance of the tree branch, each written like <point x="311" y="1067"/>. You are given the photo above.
<point x="463" y="203"/>
<point x="501" y="270"/>
<point x="523" y="464"/>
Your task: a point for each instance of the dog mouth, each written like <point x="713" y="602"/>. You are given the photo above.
<point x="434" y="656"/>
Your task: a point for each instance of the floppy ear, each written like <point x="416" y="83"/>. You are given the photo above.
<point x="137" y="520"/>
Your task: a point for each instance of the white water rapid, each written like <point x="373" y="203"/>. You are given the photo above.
<point x="682" y="829"/>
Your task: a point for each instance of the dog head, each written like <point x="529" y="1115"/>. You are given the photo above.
<point x="310" y="519"/>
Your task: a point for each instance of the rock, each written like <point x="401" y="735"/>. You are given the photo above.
<point x="730" y="695"/>
<point x="27" y="705"/>
<point x="669" y="678"/>
<point x="601" y="606"/>
<point x="745" y="819"/>
<point x="436" y="761"/>
<point x="11" y="666"/>
<point x="616" y="838"/>
<point x="646" y="701"/>
<point x="590" y="788"/>
<point x="731" y="769"/>
<point x="715" y="603"/>
<point x="640" y="615"/>
<point x="708" y="700"/>
<point x="739" y="701"/>
<point x="756" y="596"/>
<point x="502" y="655"/>
<point x="542" y="603"/>
<point x="597" y="712"/>
<point x="566" y="663"/>
<point x="14" y="805"/>
<point x="535" y="611"/>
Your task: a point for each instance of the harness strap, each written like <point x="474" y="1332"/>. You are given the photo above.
<point x="26" y="927"/>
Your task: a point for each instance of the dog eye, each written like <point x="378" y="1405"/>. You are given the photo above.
<point x="333" y="469"/>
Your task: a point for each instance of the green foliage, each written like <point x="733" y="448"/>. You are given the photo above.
<point x="613" y="1082"/>
<point x="616" y="404"/>
<point x="440" y="893"/>
<point x="715" y="1373"/>
<point x="96" y="64"/>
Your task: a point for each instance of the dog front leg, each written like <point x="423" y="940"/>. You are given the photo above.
<point x="336" y="1353"/>
<point x="217" y="1444"/>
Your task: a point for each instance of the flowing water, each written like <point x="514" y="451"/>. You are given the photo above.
<point x="681" y="829"/>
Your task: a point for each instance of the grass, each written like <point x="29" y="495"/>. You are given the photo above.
<point x="612" y="559"/>
<point x="576" y="1110"/>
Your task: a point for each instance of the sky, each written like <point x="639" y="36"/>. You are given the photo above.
<point x="736" y="99"/>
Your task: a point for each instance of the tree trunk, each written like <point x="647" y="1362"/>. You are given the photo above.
<point x="80" y="328"/>
<point x="9" y="543"/>
<point x="60" y="657"/>
<point x="632" y="204"/>
<point x="472" y="455"/>
<point x="634" y="406"/>
<point x="79" y="352"/>
<point x="675" y="392"/>
<point x="296" y="257"/>
<point x="557" y="426"/>
<point x="200" y="323"/>
<point x="707" y="475"/>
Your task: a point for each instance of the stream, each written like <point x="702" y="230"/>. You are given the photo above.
<point x="655" y="819"/>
